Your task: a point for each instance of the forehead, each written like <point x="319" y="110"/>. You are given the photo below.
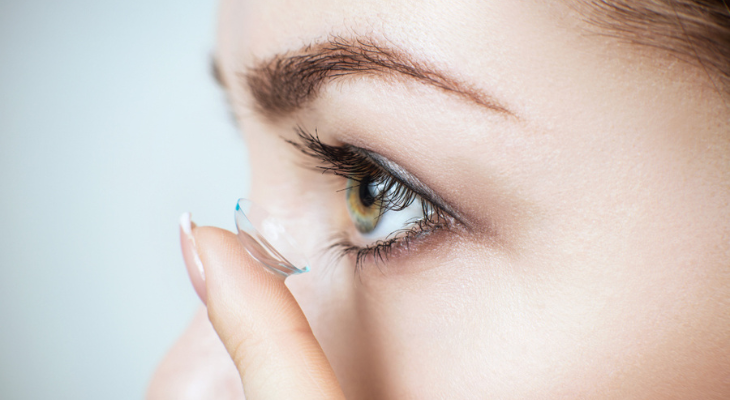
<point x="542" y="58"/>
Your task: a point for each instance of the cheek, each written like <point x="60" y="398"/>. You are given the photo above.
<point x="465" y="321"/>
<point x="615" y="312"/>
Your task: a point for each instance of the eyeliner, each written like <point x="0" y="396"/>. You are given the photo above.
<point x="409" y="180"/>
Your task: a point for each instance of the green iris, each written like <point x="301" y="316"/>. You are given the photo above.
<point x="364" y="204"/>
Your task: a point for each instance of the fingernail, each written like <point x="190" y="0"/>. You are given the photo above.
<point x="196" y="272"/>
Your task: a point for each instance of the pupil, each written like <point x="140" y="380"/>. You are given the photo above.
<point x="367" y="197"/>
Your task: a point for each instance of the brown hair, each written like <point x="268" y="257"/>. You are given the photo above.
<point x="694" y="30"/>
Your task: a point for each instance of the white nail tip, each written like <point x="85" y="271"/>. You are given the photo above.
<point x="186" y="223"/>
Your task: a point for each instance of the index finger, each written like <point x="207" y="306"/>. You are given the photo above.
<point x="261" y="324"/>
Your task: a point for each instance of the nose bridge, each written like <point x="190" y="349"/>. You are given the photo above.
<point x="340" y="315"/>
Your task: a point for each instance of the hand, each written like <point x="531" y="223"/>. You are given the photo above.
<point x="258" y="320"/>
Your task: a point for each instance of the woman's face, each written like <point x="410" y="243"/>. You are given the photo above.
<point x="582" y="187"/>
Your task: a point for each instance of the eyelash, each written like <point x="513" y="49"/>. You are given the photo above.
<point x="353" y="163"/>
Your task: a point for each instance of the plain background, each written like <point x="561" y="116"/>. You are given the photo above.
<point x="110" y="127"/>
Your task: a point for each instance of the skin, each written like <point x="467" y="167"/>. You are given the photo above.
<point x="595" y="260"/>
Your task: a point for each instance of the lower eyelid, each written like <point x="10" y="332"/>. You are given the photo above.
<point x="405" y="244"/>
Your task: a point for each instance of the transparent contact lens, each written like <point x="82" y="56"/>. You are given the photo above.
<point x="266" y="239"/>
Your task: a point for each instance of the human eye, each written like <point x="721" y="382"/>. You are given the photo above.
<point x="388" y="214"/>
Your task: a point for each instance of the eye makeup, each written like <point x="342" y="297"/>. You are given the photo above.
<point x="389" y="207"/>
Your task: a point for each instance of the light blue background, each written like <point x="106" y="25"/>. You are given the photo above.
<point x="110" y="128"/>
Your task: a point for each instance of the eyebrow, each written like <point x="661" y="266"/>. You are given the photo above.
<point x="285" y="82"/>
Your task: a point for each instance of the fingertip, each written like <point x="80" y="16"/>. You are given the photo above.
<point x="227" y="259"/>
<point x="234" y="278"/>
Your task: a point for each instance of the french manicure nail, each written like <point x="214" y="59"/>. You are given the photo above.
<point x="196" y="272"/>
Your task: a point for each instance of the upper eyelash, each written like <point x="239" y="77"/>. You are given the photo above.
<point x="353" y="163"/>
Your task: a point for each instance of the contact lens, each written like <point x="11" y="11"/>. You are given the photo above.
<point x="266" y="240"/>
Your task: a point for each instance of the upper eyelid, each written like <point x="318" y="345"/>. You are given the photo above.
<point x="413" y="183"/>
<point x="314" y="148"/>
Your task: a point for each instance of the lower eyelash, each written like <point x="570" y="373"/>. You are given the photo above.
<point x="381" y="250"/>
